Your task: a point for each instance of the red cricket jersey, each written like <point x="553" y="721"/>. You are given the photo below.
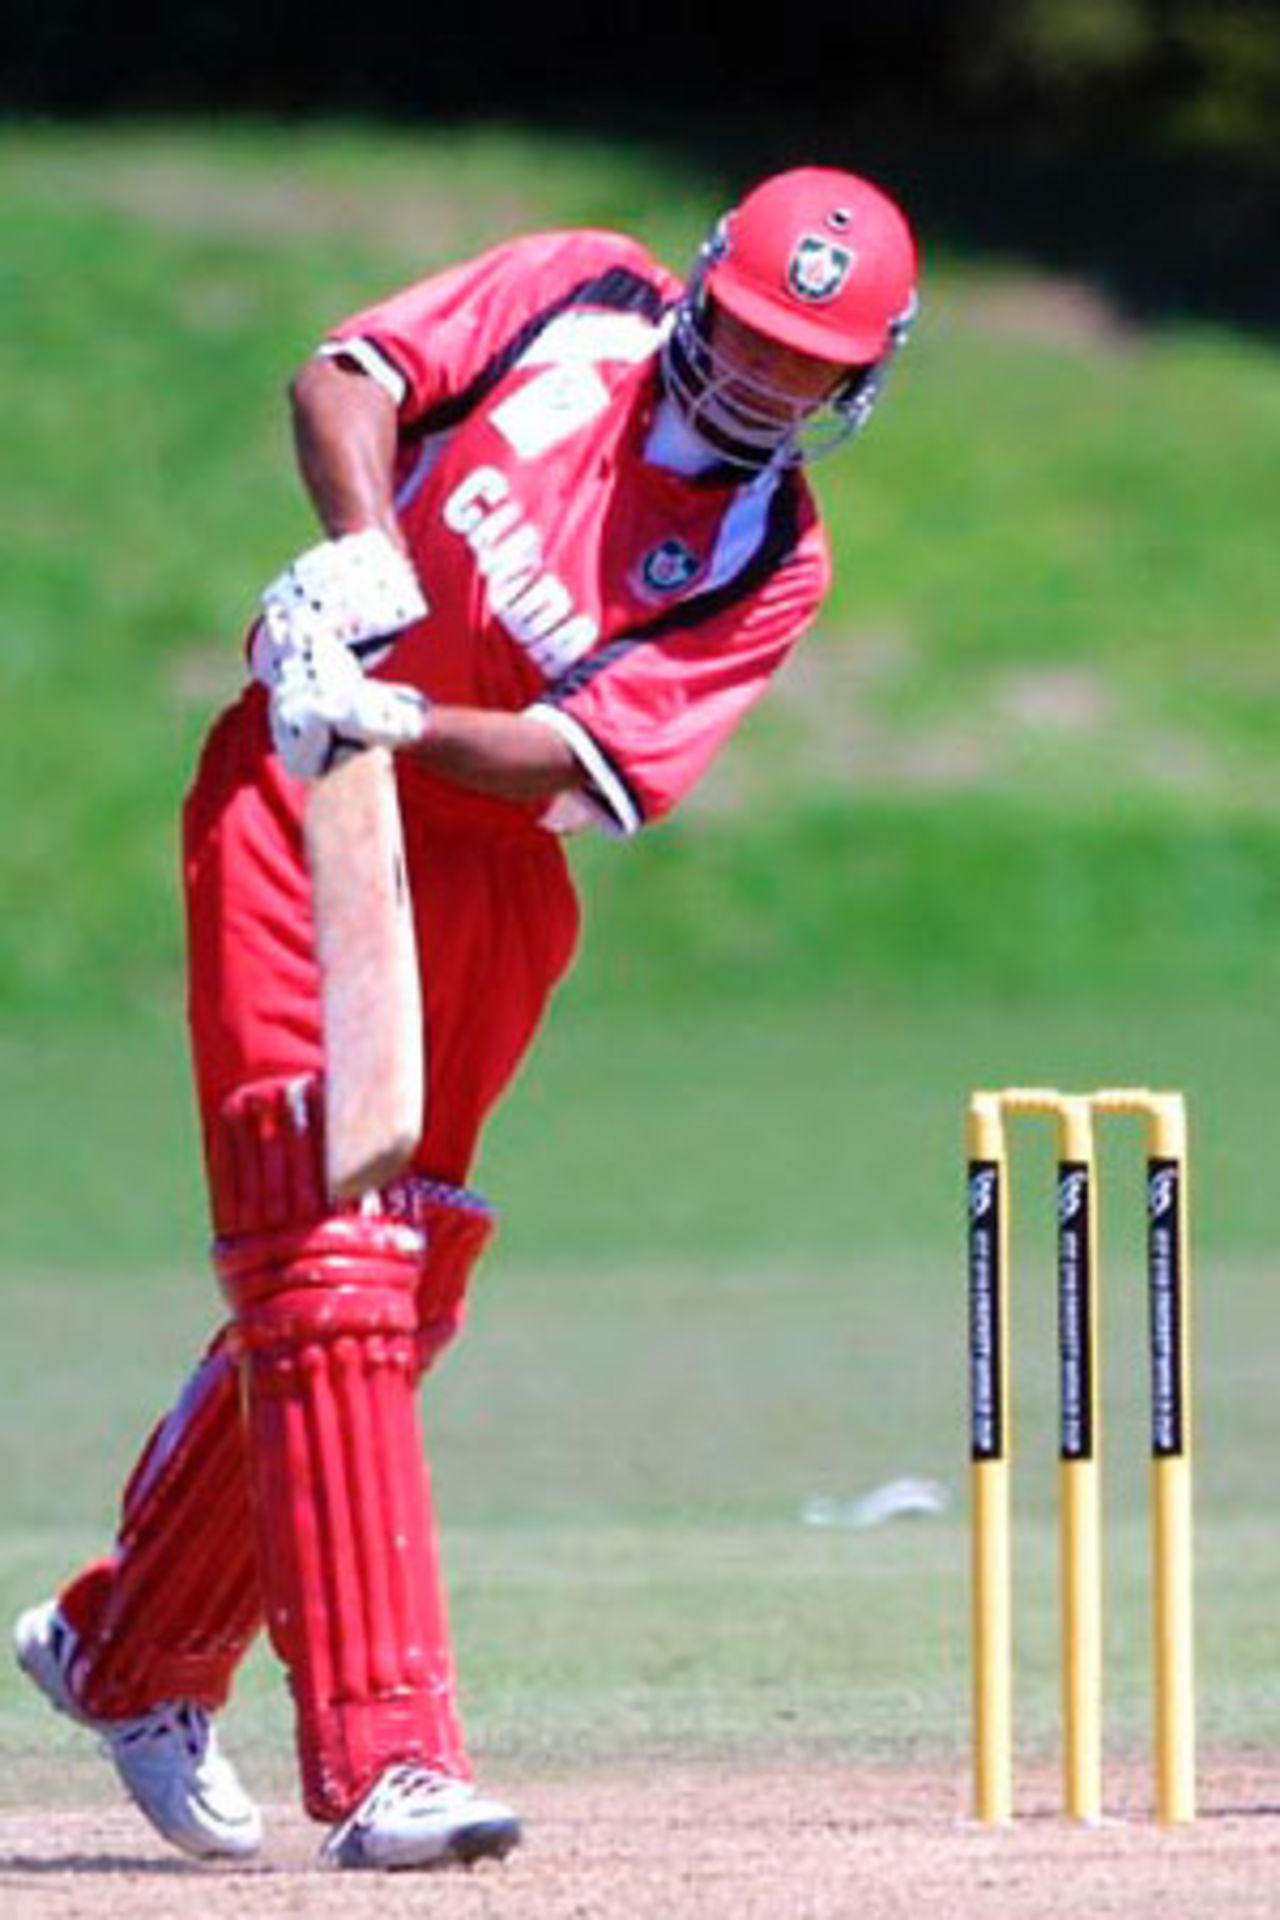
<point x="570" y="571"/>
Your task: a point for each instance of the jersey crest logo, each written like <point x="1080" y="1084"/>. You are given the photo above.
<point x="668" y="567"/>
<point x="818" y="268"/>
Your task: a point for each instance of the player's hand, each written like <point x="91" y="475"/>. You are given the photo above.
<point x="323" y="708"/>
<point x="361" y="587"/>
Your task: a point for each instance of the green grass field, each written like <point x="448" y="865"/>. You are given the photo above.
<point x="1012" y="817"/>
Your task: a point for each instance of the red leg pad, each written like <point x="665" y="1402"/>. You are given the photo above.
<point x="325" y="1333"/>
<point x="458" y="1225"/>
<point x="172" y="1612"/>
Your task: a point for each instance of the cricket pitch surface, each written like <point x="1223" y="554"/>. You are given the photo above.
<point x="708" y="1842"/>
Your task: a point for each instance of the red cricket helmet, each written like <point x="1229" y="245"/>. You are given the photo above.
<point x="818" y="260"/>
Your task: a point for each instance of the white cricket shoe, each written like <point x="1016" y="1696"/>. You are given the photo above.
<point x="167" y="1758"/>
<point x="415" y="1817"/>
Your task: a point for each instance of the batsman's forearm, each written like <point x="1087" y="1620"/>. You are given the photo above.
<point x="344" y="430"/>
<point x="504" y="754"/>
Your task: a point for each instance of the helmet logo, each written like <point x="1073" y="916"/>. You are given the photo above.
<point x="818" y="268"/>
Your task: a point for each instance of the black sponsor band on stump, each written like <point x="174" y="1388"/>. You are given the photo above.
<point x="986" y="1334"/>
<point x="1164" y="1288"/>
<point x="1075" y="1310"/>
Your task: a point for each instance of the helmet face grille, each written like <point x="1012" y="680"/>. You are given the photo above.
<point x="739" y="416"/>
<point x="749" y="422"/>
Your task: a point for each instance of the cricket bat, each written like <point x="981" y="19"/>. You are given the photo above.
<point x="370" y="996"/>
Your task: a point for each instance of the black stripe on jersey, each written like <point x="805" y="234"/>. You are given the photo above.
<point x="618" y="289"/>
<point x="782" y="532"/>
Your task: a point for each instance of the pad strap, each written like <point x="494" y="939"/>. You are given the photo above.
<point x="458" y="1224"/>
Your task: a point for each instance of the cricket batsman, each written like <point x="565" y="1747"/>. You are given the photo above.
<point x="567" y="543"/>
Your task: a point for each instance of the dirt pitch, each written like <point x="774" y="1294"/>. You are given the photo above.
<point x="797" y="1845"/>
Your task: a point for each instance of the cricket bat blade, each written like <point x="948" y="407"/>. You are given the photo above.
<point x="370" y="993"/>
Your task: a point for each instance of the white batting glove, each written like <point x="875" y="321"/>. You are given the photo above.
<point x="322" y="707"/>
<point x="360" y="586"/>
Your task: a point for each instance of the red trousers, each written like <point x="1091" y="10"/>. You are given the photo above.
<point x="171" y="1611"/>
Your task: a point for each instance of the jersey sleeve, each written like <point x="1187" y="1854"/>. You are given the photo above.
<point x="429" y="343"/>
<point x="646" y="716"/>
